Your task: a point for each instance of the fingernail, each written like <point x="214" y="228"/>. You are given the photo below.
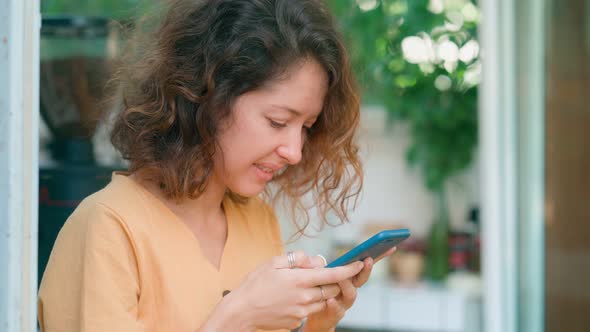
<point x="323" y="258"/>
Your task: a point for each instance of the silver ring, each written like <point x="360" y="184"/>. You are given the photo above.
<point x="323" y="294"/>
<point x="291" y="259"/>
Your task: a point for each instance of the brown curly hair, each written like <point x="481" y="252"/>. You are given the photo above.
<point x="180" y="83"/>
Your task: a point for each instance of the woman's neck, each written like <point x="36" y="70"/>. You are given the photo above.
<point x="206" y="207"/>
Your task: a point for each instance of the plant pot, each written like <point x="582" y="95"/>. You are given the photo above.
<point x="437" y="265"/>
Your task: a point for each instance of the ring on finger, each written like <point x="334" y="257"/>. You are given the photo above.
<point x="291" y="259"/>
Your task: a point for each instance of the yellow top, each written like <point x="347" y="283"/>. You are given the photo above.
<point x="124" y="262"/>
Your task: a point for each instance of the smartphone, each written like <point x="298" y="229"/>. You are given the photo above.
<point x="374" y="247"/>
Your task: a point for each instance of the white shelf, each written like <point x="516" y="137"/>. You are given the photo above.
<point x="422" y="308"/>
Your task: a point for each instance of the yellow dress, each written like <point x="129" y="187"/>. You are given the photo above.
<point x="124" y="262"/>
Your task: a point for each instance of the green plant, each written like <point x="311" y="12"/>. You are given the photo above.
<point x="116" y="9"/>
<point x="419" y="58"/>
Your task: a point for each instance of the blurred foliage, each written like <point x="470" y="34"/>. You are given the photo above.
<point x="116" y="9"/>
<point x="420" y="59"/>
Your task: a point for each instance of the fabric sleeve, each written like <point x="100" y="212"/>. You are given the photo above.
<point x="91" y="282"/>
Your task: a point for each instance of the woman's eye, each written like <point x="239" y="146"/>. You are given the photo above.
<point x="276" y="124"/>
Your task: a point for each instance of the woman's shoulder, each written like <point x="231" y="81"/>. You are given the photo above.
<point x="121" y="199"/>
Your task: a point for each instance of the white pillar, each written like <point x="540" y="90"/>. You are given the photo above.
<point x="511" y="119"/>
<point x="498" y="160"/>
<point x="19" y="121"/>
<point x="531" y="76"/>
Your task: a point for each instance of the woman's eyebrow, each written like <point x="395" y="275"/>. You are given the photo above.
<point x="292" y="111"/>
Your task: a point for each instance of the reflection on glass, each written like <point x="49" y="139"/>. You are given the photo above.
<point x="567" y="228"/>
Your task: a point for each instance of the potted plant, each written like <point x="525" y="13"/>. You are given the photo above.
<point x="420" y="59"/>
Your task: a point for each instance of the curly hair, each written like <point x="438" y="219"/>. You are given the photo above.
<point x="179" y="85"/>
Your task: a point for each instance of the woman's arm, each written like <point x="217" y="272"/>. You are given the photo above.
<point x="91" y="282"/>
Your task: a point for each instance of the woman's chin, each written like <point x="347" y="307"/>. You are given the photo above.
<point x="249" y="191"/>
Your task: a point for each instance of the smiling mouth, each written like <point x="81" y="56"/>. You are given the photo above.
<point x="265" y="169"/>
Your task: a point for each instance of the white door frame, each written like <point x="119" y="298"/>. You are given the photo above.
<point x="511" y="122"/>
<point x="19" y="150"/>
<point x="498" y="149"/>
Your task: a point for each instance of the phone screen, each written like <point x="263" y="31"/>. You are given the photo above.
<point x="374" y="247"/>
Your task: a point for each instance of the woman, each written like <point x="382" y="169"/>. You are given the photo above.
<point x="230" y="96"/>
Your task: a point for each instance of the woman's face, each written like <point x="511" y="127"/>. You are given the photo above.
<point x="267" y="129"/>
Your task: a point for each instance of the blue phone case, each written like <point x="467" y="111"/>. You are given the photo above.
<point x="373" y="247"/>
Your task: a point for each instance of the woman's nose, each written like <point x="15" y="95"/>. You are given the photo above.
<point x="291" y="148"/>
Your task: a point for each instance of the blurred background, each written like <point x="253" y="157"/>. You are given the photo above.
<point x="478" y="151"/>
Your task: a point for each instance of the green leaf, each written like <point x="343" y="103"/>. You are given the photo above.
<point x="443" y="124"/>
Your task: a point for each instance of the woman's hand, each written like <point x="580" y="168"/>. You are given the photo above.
<point x="277" y="297"/>
<point x="335" y="308"/>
